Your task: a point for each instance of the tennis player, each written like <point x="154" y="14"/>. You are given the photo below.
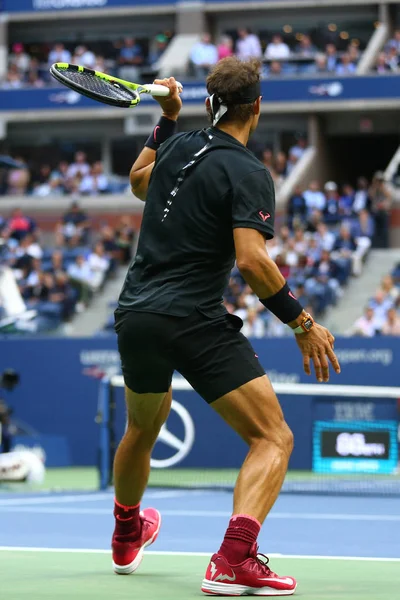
<point x="209" y="201"/>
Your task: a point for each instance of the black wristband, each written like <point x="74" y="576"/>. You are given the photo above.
<point x="161" y="132"/>
<point x="283" y="305"/>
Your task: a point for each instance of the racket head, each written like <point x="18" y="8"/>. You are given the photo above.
<point x="93" y="84"/>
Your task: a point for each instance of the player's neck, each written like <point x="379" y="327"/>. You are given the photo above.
<point x="241" y="134"/>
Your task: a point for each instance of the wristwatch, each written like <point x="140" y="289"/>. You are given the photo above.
<point x="305" y="326"/>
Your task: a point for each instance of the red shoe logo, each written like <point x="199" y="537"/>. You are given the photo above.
<point x="222" y="576"/>
<point x="264" y="216"/>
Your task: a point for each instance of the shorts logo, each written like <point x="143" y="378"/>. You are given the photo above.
<point x="264" y="216"/>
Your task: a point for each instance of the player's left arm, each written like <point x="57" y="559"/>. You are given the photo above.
<point x="143" y="167"/>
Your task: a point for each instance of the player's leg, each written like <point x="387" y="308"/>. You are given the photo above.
<point x="142" y="343"/>
<point x="221" y="365"/>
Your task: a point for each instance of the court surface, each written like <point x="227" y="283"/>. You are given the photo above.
<point x="56" y="545"/>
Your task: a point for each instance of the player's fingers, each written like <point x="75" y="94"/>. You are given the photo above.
<point x="333" y="358"/>
<point x="306" y="365"/>
<point x="317" y="366"/>
<point x="324" y="366"/>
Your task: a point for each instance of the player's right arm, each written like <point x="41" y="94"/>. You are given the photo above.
<point x="252" y="218"/>
<point x="143" y="166"/>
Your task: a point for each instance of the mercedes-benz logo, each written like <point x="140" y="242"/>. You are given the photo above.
<point x="181" y="447"/>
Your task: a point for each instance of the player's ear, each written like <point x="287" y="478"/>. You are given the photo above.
<point x="257" y="106"/>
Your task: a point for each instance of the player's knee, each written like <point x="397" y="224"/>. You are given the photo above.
<point x="281" y="436"/>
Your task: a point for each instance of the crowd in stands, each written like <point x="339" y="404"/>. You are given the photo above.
<point x="79" y="178"/>
<point x="29" y="65"/>
<point x="388" y="61"/>
<point x="300" y="56"/>
<point x="382" y="312"/>
<point x="59" y="280"/>
<point x="325" y="242"/>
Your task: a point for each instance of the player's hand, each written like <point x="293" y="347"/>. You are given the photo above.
<point x="172" y="104"/>
<point x="317" y="346"/>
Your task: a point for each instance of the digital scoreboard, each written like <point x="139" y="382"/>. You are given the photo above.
<point x="355" y="447"/>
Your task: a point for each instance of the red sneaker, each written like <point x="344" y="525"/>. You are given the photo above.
<point x="127" y="555"/>
<point x="253" y="577"/>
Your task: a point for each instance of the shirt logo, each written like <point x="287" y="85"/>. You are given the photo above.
<point x="264" y="216"/>
<point x="156" y="128"/>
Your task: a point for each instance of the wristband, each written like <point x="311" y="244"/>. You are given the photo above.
<point x="283" y="305"/>
<point x="161" y="132"/>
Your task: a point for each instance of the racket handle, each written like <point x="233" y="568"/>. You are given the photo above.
<point x="159" y="90"/>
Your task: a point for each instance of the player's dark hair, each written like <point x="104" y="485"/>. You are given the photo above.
<point x="230" y="77"/>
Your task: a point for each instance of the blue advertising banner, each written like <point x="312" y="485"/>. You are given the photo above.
<point x="329" y="90"/>
<point x="59" y="5"/>
<point x="56" y="402"/>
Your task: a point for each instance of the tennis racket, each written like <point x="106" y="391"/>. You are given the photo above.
<point x="105" y="88"/>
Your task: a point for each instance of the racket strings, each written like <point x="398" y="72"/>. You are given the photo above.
<point x="100" y="86"/>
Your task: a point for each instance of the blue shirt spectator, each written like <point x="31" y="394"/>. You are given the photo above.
<point x="131" y="53"/>
<point x="331" y="210"/>
<point x="346" y="67"/>
<point x="204" y="55"/>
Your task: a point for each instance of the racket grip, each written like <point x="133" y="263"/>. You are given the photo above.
<point x="159" y="90"/>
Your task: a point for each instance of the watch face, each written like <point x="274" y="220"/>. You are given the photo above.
<point x="307" y="324"/>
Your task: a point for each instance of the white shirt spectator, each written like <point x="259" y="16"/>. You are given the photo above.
<point x="315" y="199"/>
<point x="364" y="326"/>
<point x="277" y="50"/>
<point x="92" y="184"/>
<point x="79" y="167"/>
<point x="81" y="271"/>
<point x="84" y="57"/>
<point x="204" y="54"/>
<point x="253" y="326"/>
<point x="98" y="263"/>
<point x="59" y="54"/>
<point x="248" y="47"/>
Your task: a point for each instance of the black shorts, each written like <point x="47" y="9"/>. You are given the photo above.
<point x="210" y="353"/>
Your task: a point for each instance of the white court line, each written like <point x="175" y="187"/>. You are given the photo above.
<point x="203" y="513"/>
<point x="94" y="497"/>
<point x="199" y="554"/>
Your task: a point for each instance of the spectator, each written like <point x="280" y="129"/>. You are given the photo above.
<point x="362" y="232"/>
<point x="365" y="325"/>
<point x="392" y="324"/>
<point x="29" y="247"/>
<point x="331" y="210"/>
<point x="13" y="79"/>
<point x="34" y="80"/>
<point x="75" y="225"/>
<point x="292" y="161"/>
<point x="346" y="200"/>
<point x="159" y="46"/>
<point x="130" y="59"/>
<point x="305" y="47"/>
<point x="354" y="53"/>
<point x="281" y="164"/>
<point x="81" y="277"/>
<point x="248" y="45"/>
<point x="57" y="263"/>
<point x="381" y="66"/>
<point x="380" y="303"/>
<point x="315" y="199"/>
<point x="79" y="168"/>
<point x="100" y="64"/>
<point x="19" y="58"/>
<point x="83" y="56"/>
<point x="320" y="64"/>
<point x="381" y="200"/>
<point x="99" y="265"/>
<point x="325" y="237"/>
<point x="275" y="69"/>
<point x="203" y="56"/>
<point x="300" y="241"/>
<point x="325" y="270"/>
<point x="95" y="182"/>
<point x="300" y="147"/>
<point x="392" y="59"/>
<point x="124" y="238"/>
<point x="331" y="57"/>
<point x="361" y="198"/>
<point x="59" y="54"/>
<point x="345" y="67"/>
<point x="19" y="225"/>
<point x="277" y="49"/>
<point x="389" y="288"/>
<point x="59" y="182"/>
<point x="225" y="48"/>
<point x="394" y="42"/>
<point x="63" y="295"/>
<point x="343" y="251"/>
<point x="253" y="326"/>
